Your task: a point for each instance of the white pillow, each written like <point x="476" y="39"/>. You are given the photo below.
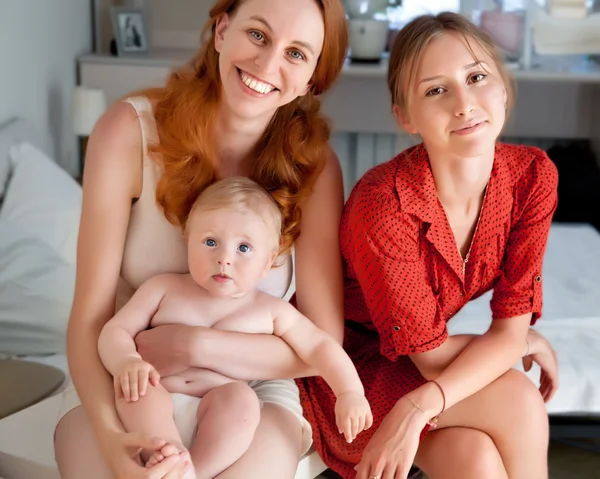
<point x="12" y="132"/>
<point x="39" y="223"/>
<point x="42" y="201"/>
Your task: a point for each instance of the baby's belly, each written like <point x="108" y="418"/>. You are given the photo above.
<point x="194" y="382"/>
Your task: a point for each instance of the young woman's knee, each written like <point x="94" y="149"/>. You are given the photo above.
<point x="237" y="400"/>
<point x="523" y="398"/>
<point x="460" y="452"/>
<point x="483" y="457"/>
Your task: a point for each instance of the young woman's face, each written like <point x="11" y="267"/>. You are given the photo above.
<point x="458" y="103"/>
<point x="268" y="54"/>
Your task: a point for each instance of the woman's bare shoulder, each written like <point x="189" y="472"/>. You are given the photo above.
<point x="115" y="149"/>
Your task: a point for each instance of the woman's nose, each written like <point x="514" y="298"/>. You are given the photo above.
<point x="267" y="60"/>
<point x="464" y="103"/>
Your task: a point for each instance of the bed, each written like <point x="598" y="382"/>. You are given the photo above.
<point x="571" y="322"/>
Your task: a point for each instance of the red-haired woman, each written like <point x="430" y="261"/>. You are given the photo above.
<point x="245" y="105"/>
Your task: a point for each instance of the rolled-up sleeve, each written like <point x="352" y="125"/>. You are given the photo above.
<point x="519" y="289"/>
<point x="390" y="270"/>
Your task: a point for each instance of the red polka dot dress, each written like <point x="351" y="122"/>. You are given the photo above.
<point x="405" y="278"/>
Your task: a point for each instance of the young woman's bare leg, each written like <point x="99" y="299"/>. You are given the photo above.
<point x="511" y="411"/>
<point x="76" y="449"/>
<point x="460" y="453"/>
<point x="275" y="449"/>
<point x="227" y="420"/>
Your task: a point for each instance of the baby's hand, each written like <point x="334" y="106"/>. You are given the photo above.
<point x="352" y="414"/>
<point x="132" y="379"/>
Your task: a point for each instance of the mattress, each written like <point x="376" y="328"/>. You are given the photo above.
<point x="570" y="317"/>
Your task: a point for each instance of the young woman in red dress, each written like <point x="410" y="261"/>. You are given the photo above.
<point x="440" y="224"/>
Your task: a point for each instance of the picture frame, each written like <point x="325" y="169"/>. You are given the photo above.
<point x="131" y="30"/>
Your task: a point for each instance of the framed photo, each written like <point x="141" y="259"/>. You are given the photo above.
<point x="131" y="31"/>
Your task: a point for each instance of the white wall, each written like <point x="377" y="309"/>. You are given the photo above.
<point x="39" y="43"/>
<point x="188" y="15"/>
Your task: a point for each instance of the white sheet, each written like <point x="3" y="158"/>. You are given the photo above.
<point x="570" y="317"/>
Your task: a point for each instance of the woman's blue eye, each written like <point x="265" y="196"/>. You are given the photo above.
<point x="244" y="248"/>
<point x="211" y="243"/>
<point x="257" y="36"/>
<point x="297" y="55"/>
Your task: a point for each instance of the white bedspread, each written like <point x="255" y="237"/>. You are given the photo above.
<point x="570" y="318"/>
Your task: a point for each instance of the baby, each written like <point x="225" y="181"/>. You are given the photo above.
<point x="233" y="237"/>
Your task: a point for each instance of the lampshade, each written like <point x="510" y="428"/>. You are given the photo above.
<point x="88" y="105"/>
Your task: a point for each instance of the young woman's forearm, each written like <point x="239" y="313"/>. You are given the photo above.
<point x="247" y="356"/>
<point x="93" y="383"/>
<point x="482" y="360"/>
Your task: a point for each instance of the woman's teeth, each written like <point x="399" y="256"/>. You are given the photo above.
<point x="255" y="84"/>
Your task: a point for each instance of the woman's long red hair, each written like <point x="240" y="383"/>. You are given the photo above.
<point x="289" y="156"/>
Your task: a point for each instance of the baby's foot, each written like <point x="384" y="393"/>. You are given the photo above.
<point x="167" y="450"/>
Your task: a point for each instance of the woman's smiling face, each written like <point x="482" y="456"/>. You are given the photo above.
<point x="268" y="51"/>
<point x="458" y="100"/>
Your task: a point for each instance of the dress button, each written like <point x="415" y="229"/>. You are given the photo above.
<point x="396" y="328"/>
<point x="538" y="278"/>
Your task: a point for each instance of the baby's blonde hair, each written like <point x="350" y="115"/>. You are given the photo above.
<point x="242" y="194"/>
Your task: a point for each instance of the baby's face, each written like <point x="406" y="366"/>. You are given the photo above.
<point x="229" y="251"/>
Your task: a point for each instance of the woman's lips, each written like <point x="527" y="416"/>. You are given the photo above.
<point x="467" y="130"/>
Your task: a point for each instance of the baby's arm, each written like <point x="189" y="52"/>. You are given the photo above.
<point x="116" y="345"/>
<point x="319" y="350"/>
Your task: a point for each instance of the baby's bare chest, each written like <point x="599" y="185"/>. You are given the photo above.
<point x="182" y="306"/>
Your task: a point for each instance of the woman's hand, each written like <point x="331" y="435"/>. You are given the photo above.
<point x="391" y="451"/>
<point x="542" y="353"/>
<point x="123" y="452"/>
<point x="169" y="348"/>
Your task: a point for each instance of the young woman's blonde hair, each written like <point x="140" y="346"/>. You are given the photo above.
<point x="240" y="193"/>
<point x="413" y="39"/>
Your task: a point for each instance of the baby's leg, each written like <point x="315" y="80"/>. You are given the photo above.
<point x="153" y="414"/>
<point x="227" y="419"/>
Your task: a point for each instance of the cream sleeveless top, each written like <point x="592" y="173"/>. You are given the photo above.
<point x="153" y="245"/>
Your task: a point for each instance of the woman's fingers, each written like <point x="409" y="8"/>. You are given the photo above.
<point x="172" y="467"/>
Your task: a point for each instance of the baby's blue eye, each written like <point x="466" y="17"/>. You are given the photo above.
<point x="244" y="248"/>
<point x="211" y="243"/>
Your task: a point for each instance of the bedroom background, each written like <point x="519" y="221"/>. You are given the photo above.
<point x="48" y="47"/>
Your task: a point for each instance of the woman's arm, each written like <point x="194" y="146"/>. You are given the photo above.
<point x="112" y="178"/>
<point x="319" y="293"/>
<point x="484" y="359"/>
<point x="516" y="302"/>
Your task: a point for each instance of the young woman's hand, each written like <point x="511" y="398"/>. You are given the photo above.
<point x="542" y="353"/>
<point x="391" y="451"/>
<point x="169" y="348"/>
<point x="123" y="453"/>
